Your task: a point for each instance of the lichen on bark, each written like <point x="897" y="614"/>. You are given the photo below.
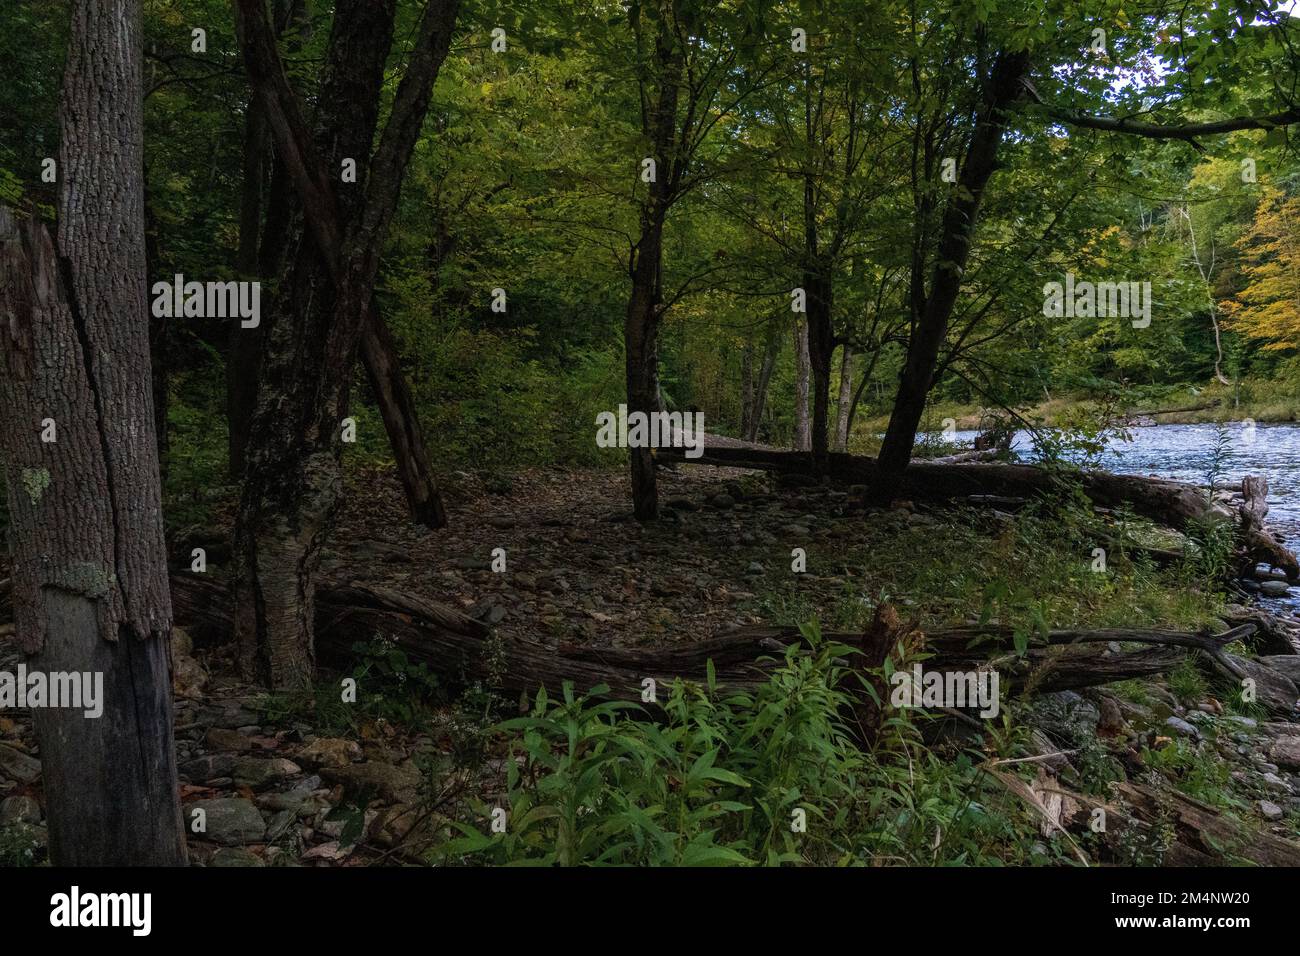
<point x="35" y="481"/>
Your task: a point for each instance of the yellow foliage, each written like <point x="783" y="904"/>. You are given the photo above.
<point x="1268" y="308"/>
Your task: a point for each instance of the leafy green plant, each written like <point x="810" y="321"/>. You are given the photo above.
<point x="770" y="776"/>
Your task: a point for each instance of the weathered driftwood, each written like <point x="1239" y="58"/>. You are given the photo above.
<point x="1201" y="835"/>
<point x="1174" y="503"/>
<point x="1273" y="689"/>
<point x="464" y="651"/>
<point x="1274" y="634"/>
<point x="461" y="650"/>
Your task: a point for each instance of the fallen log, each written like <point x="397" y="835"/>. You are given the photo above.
<point x="463" y="651"/>
<point x="1174" y="503"/>
<point x="1170" y="411"/>
<point x="1202" y="835"/>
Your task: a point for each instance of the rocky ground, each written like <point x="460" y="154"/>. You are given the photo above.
<point x="277" y="787"/>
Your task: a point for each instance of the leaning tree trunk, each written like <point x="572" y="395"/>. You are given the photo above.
<point x="293" y="477"/>
<point x="957" y="236"/>
<point x="77" y="429"/>
<point x="402" y="423"/>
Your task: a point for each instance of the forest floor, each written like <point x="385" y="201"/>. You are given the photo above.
<point x="307" y="779"/>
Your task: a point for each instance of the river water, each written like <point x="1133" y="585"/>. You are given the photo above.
<point x="1187" y="453"/>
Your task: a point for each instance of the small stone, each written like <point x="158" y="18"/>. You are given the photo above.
<point x="1274" y="782"/>
<point x="235" y="856"/>
<point x="19" y="766"/>
<point x="1182" y="728"/>
<point x="1270" y="811"/>
<point x="1285" y="752"/>
<point x="19" y="810"/>
<point x="279" y="824"/>
<point x="219" y="738"/>
<point x="1274" y="589"/>
<point x="259" y="772"/>
<point x="397" y="784"/>
<point x="330" y="752"/>
<point x="230" y="821"/>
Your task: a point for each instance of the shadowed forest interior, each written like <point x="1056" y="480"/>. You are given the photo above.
<point x="650" y="432"/>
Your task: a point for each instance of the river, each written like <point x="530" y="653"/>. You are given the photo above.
<point x="1187" y="452"/>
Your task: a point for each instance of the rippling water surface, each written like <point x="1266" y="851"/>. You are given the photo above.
<point x="1187" y="452"/>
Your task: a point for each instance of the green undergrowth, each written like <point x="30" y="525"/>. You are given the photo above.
<point x="769" y="777"/>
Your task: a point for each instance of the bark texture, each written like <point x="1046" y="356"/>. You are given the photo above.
<point x="90" y="578"/>
<point x="957" y="235"/>
<point x="292" y="478"/>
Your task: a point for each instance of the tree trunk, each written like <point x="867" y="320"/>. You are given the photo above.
<point x="243" y="355"/>
<point x="821" y="348"/>
<point x="402" y="423"/>
<point x="956" y="238"/>
<point x="746" y="386"/>
<point x="802" y="432"/>
<point x="292" y="478"/>
<point x="90" y="577"/>
<point x="844" y="400"/>
<point x="640" y="336"/>
<point x="771" y="348"/>
<point x="645" y="304"/>
<point x="862" y="387"/>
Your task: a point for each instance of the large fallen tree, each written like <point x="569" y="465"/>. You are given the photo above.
<point x="1173" y="503"/>
<point x="463" y="651"/>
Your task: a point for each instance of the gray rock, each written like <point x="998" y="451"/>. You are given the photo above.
<point x="397" y="784"/>
<point x="1182" y="728"/>
<point x="1288" y="664"/>
<point x="1274" y="588"/>
<point x="235" y="856"/>
<point x="19" y="810"/>
<point x="260" y="772"/>
<point x="1274" y="782"/>
<point x="1065" y="716"/>
<point x="230" y="821"/>
<point x="280" y="824"/>
<point x="208" y="767"/>
<point x="1270" y="811"/>
<point x="17" y="765"/>
<point x="1285" y="752"/>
